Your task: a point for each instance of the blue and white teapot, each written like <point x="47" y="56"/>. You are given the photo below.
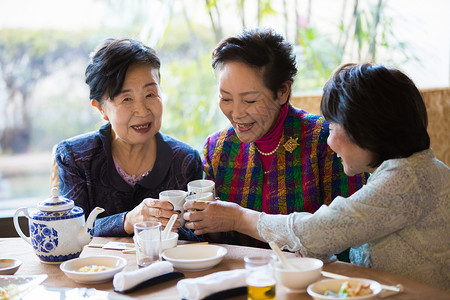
<point x="58" y="231"/>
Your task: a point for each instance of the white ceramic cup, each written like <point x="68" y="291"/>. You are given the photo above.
<point x="147" y="239"/>
<point x="177" y="199"/>
<point x="202" y="186"/>
<point x="208" y="196"/>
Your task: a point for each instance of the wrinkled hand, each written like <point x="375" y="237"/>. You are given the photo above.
<point x="211" y="216"/>
<point x="150" y="210"/>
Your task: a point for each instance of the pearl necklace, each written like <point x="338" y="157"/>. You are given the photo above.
<point x="267" y="153"/>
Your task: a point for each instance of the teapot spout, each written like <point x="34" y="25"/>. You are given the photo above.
<point x="87" y="232"/>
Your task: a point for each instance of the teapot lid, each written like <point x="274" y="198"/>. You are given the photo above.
<point x="55" y="203"/>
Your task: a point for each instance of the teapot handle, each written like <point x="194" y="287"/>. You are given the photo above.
<point x="16" y="223"/>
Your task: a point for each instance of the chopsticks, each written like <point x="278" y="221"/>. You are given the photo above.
<point x="129" y="251"/>
<point x="334" y="275"/>
<point x="393" y="288"/>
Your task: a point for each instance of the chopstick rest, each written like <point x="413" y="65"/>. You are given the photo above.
<point x="152" y="281"/>
<point x="130" y="251"/>
<point x="126" y="280"/>
<point x="201" y="287"/>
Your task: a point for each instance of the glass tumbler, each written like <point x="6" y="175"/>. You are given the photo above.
<point x="260" y="277"/>
<point x="147" y="240"/>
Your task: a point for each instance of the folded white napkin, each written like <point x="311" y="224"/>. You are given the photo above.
<point x="126" y="280"/>
<point x="201" y="287"/>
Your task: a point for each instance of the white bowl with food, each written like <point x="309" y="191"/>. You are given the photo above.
<point x="93" y="269"/>
<point x="351" y="288"/>
<point x="9" y="266"/>
<point x="301" y="272"/>
<point x="195" y="257"/>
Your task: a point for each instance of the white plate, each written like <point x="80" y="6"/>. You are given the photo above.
<point x="195" y="257"/>
<point x="71" y="267"/>
<point x="18" y="286"/>
<point x="317" y="289"/>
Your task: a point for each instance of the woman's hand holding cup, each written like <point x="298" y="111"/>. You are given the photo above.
<point x="208" y="196"/>
<point x="150" y="209"/>
<point x="211" y="215"/>
<point x="176" y="199"/>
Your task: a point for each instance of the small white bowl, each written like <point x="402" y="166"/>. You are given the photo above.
<point x="9" y="266"/>
<point x="317" y="289"/>
<point x="71" y="267"/>
<point x="195" y="257"/>
<point x="170" y="242"/>
<point x="305" y="271"/>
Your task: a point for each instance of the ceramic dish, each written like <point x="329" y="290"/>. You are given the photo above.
<point x="302" y="272"/>
<point x="317" y="289"/>
<point x="15" y="287"/>
<point x="72" y="267"/>
<point x="9" y="266"/>
<point x="171" y="241"/>
<point x="195" y="257"/>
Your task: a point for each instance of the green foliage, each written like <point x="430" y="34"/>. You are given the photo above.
<point x="27" y="57"/>
<point x="266" y="9"/>
<point x="33" y="59"/>
<point x="191" y="111"/>
<point x="317" y="56"/>
<point x="64" y="112"/>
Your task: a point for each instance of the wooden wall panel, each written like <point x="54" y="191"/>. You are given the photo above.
<point x="438" y="109"/>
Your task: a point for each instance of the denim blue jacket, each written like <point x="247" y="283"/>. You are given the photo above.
<point x="87" y="175"/>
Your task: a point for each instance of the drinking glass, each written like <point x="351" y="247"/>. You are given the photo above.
<point x="147" y="240"/>
<point x="260" y="277"/>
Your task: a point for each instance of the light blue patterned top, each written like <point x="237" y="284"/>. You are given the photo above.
<point x="399" y="222"/>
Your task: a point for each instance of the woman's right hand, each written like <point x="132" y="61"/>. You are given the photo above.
<point x="207" y="217"/>
<point x="150" y="210"/>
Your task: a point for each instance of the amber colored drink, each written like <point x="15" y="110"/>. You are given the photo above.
<point x="260" y="278"/>
<point x="261" y="292"/>
<point x="261" y="288"/>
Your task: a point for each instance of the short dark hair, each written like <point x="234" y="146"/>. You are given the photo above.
<point x="380" y="109"/>
<point x="109" y="64"/>
<point x="263" y="49"/>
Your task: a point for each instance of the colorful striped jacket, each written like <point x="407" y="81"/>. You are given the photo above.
<point x="301" y="180"/>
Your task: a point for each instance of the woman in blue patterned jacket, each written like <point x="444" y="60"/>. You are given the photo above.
<point x="123" y="166"/>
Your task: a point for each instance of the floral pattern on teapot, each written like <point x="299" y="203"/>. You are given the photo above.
<point x="58" y="229"/>
<point x="44" y="239"/>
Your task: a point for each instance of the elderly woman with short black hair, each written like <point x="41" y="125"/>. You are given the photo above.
<point x="123" y="166"/>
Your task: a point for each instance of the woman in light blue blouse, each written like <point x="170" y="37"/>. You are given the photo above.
<point x="399" y="221"/>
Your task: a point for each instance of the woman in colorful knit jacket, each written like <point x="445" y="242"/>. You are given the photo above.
<point x="398" y="222"/>
<point x="273" y="158"/>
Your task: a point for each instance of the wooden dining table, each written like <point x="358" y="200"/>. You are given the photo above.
<point x="18" y="248"/>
